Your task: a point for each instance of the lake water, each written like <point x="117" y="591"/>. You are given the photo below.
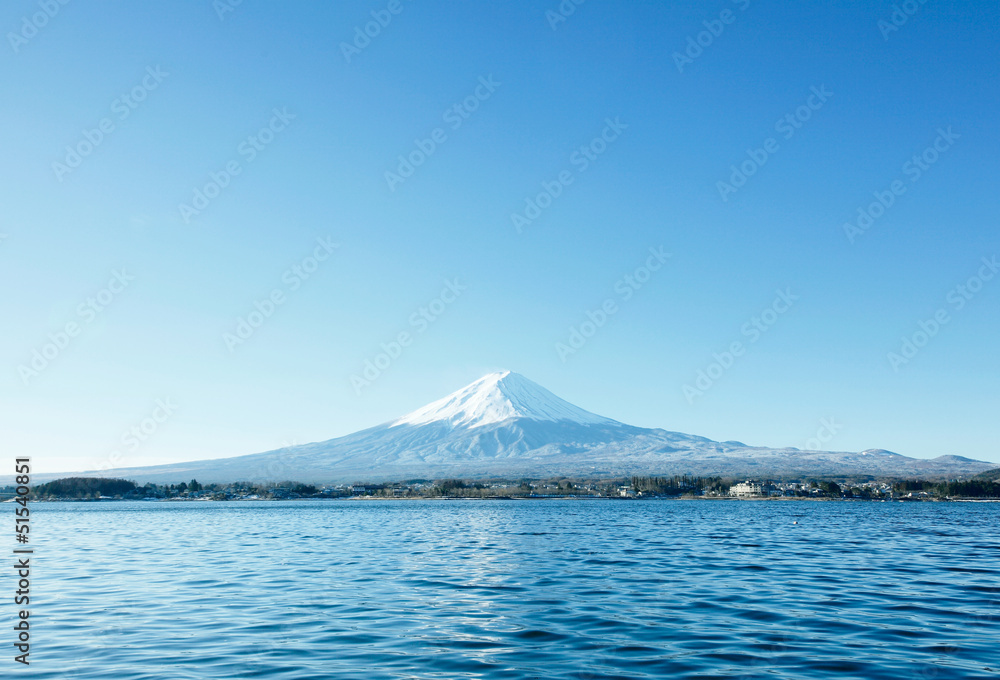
<point x="513" y="589"/>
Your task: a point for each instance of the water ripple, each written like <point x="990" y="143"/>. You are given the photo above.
<point x="491" y="590"/>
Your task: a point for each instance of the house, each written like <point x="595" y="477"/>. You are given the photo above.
<point x="747" y="489"/>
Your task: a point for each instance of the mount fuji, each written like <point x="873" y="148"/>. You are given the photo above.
<point x="505" y="425"/>
<point x="497" y="397"/>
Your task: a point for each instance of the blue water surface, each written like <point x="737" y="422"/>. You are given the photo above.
<point x="581" y="589"/>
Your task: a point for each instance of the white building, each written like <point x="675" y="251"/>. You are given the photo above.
<point x="747" y="489"/>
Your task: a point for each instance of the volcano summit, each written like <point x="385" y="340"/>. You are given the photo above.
<point x="506" y="426"/>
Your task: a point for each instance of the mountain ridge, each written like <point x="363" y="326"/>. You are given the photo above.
<point x="504" y="425"/>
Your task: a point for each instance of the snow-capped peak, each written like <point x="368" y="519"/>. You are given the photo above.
<point x="497" y="397"/>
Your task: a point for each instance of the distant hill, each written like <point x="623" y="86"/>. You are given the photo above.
<point x="990" y="475"/>
<point x="506" y="426"/>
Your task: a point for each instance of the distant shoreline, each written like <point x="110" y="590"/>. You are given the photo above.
<point x="514" y="498"/>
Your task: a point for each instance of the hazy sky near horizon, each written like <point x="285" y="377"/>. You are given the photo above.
<point x="738" y="219"/>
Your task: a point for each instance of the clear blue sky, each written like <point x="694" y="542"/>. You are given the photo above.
<point x="208" y="84"/>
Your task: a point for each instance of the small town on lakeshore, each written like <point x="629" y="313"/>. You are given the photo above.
<point x="984" y="486"/>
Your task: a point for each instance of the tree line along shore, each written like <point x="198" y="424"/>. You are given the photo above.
<point x="982" y="486"/>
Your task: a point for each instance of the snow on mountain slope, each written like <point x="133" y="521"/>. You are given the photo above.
<point x="506" y="426"/>
<point x="497" y="397"/>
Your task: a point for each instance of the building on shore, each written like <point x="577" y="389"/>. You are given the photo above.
<point x="747" y="489"/>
